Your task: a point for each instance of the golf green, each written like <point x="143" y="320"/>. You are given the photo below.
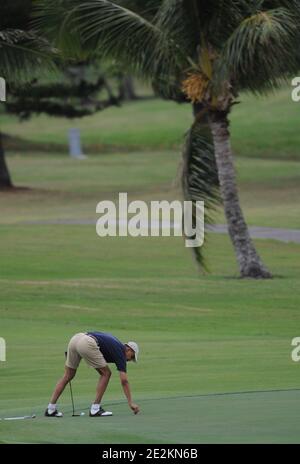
<point x="256" y="417"/>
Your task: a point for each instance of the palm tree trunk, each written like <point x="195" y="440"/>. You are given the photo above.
<point x="5" y="180"/>
<point x="248" y="259"/>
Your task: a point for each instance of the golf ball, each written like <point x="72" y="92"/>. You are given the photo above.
<point x="82" y="413"/>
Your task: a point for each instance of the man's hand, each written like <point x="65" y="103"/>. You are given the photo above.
<point x="125" y="384"/>
<point x="135" y="408"/>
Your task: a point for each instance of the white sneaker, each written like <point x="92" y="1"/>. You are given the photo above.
<point x="55" y="413"/>
<point x="101" y="413"/>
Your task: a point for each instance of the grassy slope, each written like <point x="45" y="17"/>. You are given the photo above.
<point x="261" y="127"/>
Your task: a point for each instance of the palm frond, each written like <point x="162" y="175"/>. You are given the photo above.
<point x="199" y="176"/>
<point x="261" y="51"/>
<point x="194" y="23"/>
<point x="292" y="5"/>
<point x="145" y="8"/>
<point x="113" y="31"/>
<point x="22" y="53"/>
<point x="175" y="19"/>
<point x="220" y="18"/>
<point x="50" y="18"/>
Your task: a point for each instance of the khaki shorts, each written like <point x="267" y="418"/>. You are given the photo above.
<point x="83" y="346"/>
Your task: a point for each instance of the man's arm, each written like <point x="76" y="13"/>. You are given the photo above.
<point x="125" y="384"/>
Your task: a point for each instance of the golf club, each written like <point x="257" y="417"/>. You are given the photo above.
<point x="72" y="399"/>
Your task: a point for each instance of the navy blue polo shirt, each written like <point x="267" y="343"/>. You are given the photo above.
<point x="112" y="349"/>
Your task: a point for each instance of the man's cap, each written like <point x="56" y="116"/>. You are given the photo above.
<point x="134" y="346"/>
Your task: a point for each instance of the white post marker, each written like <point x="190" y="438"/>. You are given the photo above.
<point x="75" y="144"/>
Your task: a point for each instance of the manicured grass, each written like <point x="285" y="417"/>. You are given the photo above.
<point x="66" y="189"/>
<point x="199" y="335"/>
<point x="148" y="124"/>
<point x="248" y="418"/>
<point x="261" y="127"/>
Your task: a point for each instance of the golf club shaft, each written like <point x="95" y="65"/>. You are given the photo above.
<point x="71" y="392"/>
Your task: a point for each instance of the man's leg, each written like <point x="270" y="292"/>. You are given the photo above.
<point x="61" y="384"/>
<point x="105" y="374"/>
<point x="51" y="410"/>
<point x="89" y="350"/>
<point x="73" y="359"/>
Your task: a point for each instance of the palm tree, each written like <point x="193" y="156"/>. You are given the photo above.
<point x="208" y="50"/>
<point x="22" y="52"/>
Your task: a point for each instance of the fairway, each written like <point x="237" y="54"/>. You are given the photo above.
<point x="257" y="417"/>
<point x="206" y="340"/>
<point x="198" y="335"/>
<point x="261" y="127"/>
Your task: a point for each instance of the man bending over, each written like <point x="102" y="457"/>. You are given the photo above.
<point x="97" y="349"/>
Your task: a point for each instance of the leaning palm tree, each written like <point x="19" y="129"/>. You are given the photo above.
<point x="209" y="50"/>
